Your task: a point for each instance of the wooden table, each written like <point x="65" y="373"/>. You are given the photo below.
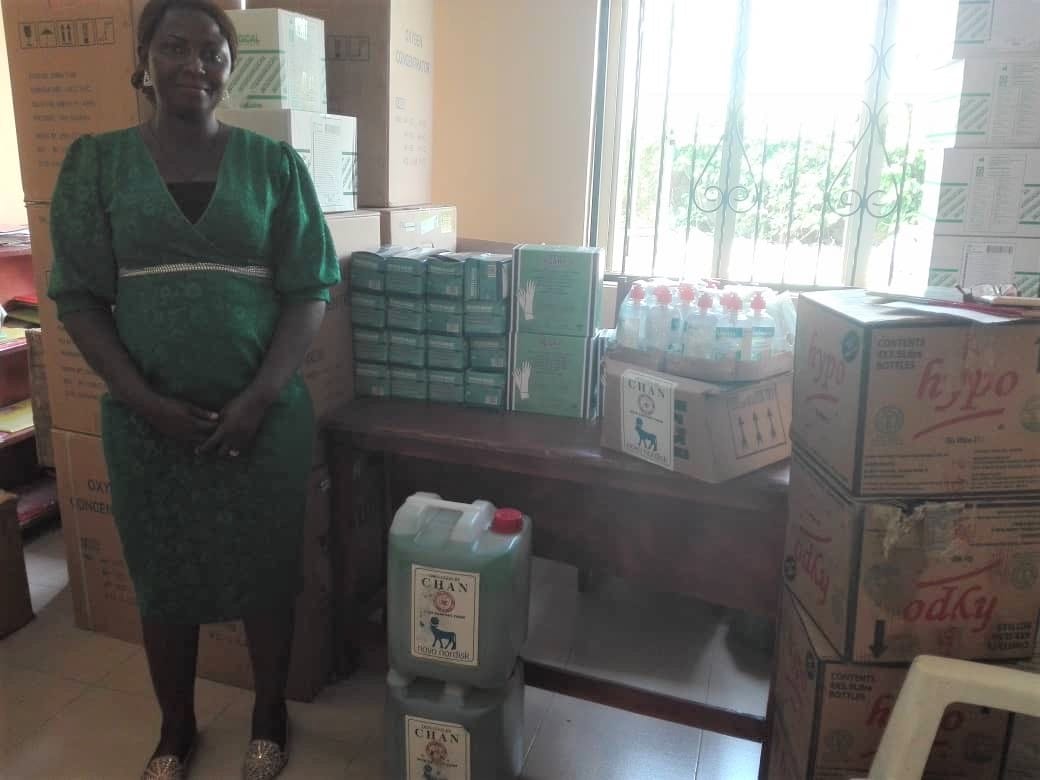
<point x="599" y="510"/>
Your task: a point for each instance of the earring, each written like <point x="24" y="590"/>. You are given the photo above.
<point x="146" y="80"/>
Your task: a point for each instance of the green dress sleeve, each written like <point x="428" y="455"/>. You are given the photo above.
<point x="84" y="274"/>
<point x="306" y="265"/>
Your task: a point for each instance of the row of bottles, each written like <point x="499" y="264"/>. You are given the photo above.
<point x="458" y="585"/>
<point x="707" y="323"/>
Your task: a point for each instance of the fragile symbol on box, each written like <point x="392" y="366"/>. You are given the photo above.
<point x="73" y="33"/>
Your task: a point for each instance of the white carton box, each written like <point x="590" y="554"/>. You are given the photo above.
<point x="991" y="102"/>
<point x="281" y="61"/>
<point x="326" y="142"/>
<point x="990" y="26"/>
<point x="970" y="260"/>
<point x="993" y="192"/>
<point x="896" y="402"/>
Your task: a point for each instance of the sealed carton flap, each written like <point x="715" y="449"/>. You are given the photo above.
<point x="824" y="650"/>
<point x="867" y="309"/>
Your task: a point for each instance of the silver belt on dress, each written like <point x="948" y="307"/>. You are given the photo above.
<point x="251" y="271"/>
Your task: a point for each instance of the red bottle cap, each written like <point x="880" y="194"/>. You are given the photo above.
<point x="687" y="293"/>
<point x="663" y="294"/>
<point x="637" y="293"/>
<point x="508" y="521"/>
<point x="758" y="303"/>
<point x="705" y="301"/>
<point x="732" y="302"/>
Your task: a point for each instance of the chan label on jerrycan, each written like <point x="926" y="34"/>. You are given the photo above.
<point x="445" y="616"/>
<point x="436" y="750"/>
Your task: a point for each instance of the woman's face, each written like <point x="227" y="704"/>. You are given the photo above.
<point x="189" y="62"/>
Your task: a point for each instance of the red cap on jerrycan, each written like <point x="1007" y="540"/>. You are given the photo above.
<point x="508" y="521"/>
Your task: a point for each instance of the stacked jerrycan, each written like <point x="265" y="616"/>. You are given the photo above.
<point x="458" y="586"/>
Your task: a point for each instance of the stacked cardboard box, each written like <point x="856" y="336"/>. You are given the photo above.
<point x="915" y="489"/>
<point x="15" y="603"/>
<point x="420" y="318"/>
<point x="555" y="342"/>
<point x="984" y="205"/>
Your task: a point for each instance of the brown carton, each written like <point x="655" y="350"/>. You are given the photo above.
<point x="706" y="431"/>
<point x="1023" y="755"/>
<point x="781" y="762"/>
<point x="15" y="603"/>
<point x="75" y="390"/>
<point x="70" y="65"/>
<point x="379" y="59"/>
<point x="434" y="226"/>
<point x="901" y="403"/>
<point x="328" y="366"/>
<point x="41" y="402"/>
<point x="835" y="712"/>
<point x="887" y="581"/>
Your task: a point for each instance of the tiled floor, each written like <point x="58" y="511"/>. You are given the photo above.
<point x="78" y="705"/>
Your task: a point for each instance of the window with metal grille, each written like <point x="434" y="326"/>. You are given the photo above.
<point x="774" y="141"/>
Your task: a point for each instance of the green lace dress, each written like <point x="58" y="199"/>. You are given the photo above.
<point x="206" y="538"/>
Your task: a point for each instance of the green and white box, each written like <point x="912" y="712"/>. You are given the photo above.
<point x="372" y="380"/>
<point x="446" y="343"/>
<point x="486" y="318"/>
<point x="447" y="386"/>
<point x="487" y="389"/>
<point x="371" y="346"/>
<point x="990" y="102"/>
<point x="553" y="374"/>
<point x="972" y="260"/>
<point x="444" y="315"/>
<point x="368" y="310"/>
<point x="488" y="277"/>
<point x="986" y="192"/>
<point x="446" y="352"/>
<point x="996" y="26"/>
<point x="326" y="143"/>
<point x="405" y="313"/>
<point x="281" y="61"/>
<point x="411" y="383"/>
<point x="407" y="349"/>
<point x="446" y="275"/>
<point x="557" y="290"/>
<point x="489" y="353"/>
<point x="406" y="272"/>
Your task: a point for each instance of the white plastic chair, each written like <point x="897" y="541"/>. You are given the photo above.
<point x="933" y="684"/>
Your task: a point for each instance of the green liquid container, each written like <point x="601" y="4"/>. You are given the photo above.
<point x="441" y="731"/>
<point x="458" y="586"/>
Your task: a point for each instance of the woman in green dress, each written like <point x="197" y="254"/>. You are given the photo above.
<point x="192" y="264"/>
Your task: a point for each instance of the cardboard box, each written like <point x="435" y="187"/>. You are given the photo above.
<point x="447" y="386"/>
<point x="558" y="289"/>
<point x="15" y="602"/>
<point x="409" y="383"/>
<point x="328" y="365"/>
<point x="103" y="595"/>
<point x="424" y="226"/>
<point x="728" y="370"/>
<point x="489" y="353"/>
<point x="281" y="62"/>
<point x="970" y="260"/>
<point x="489" y="277"/>
<point x="992" y="26"/>
<point x="706" y="431"/>
<point x="444" y="316"/>
<point x="1023" y="754"/>
<point x="986" y="192"/>
<point x="991" y="102"/>
<point x="553" y="374"/>
<point x="903" y="403"/>
<point x="446" y="275"/>
<point x="380" y="69"/>
<point x="781" y="764"/>
<point x="73" y="389"/>
<point x="835" y="712"/>
<point x="41" y="402"/>
<point x="485" y="397"/>
<point x="888" y="581"/>
<point x="371" y="346"/>
<point x="447" y="359"/>
<point x="372" y="380"/>
<point x="404" y="313"/>
<point x="326" y="142"/>
<point x="223" y="650"/>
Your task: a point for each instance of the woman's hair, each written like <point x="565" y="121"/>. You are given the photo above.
<point x="151" y="18"/>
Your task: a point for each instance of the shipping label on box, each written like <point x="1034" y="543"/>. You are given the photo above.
<point x="835" y="712"/>
<point x="420" y="226"/>
<point x="281" y="61"/>
<point x="706" y="431"/>
<point x="888" y="581"/>
<point x="987" y="192"/>
<point x="327" y="143"/>
<point x="971" y="260"/>
<point x="903" y="403"/>
<point x="558" y="290"/>
<point x="992" y="26"/>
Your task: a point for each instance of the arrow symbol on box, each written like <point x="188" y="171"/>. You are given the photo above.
<point x="743" y="436"/>
<point x="879" y="647"/>
<point x="758" y="431"/>
<point x="772" y="423"/>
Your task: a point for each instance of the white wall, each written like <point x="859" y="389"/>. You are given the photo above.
<point x="12" y="210"/>
<point x="513" y="97"/>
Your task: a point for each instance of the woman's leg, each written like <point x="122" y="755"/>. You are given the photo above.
<point x="270" y="638"/>
<point x="172" y="651"/>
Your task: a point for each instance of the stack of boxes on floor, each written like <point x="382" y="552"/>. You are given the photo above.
<point x="986" y="207"/>
<point x="555" y="344"/>
<point x="71" y="75"/>
<point x="915" y="492"/>
<point x="431" y="325"/>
